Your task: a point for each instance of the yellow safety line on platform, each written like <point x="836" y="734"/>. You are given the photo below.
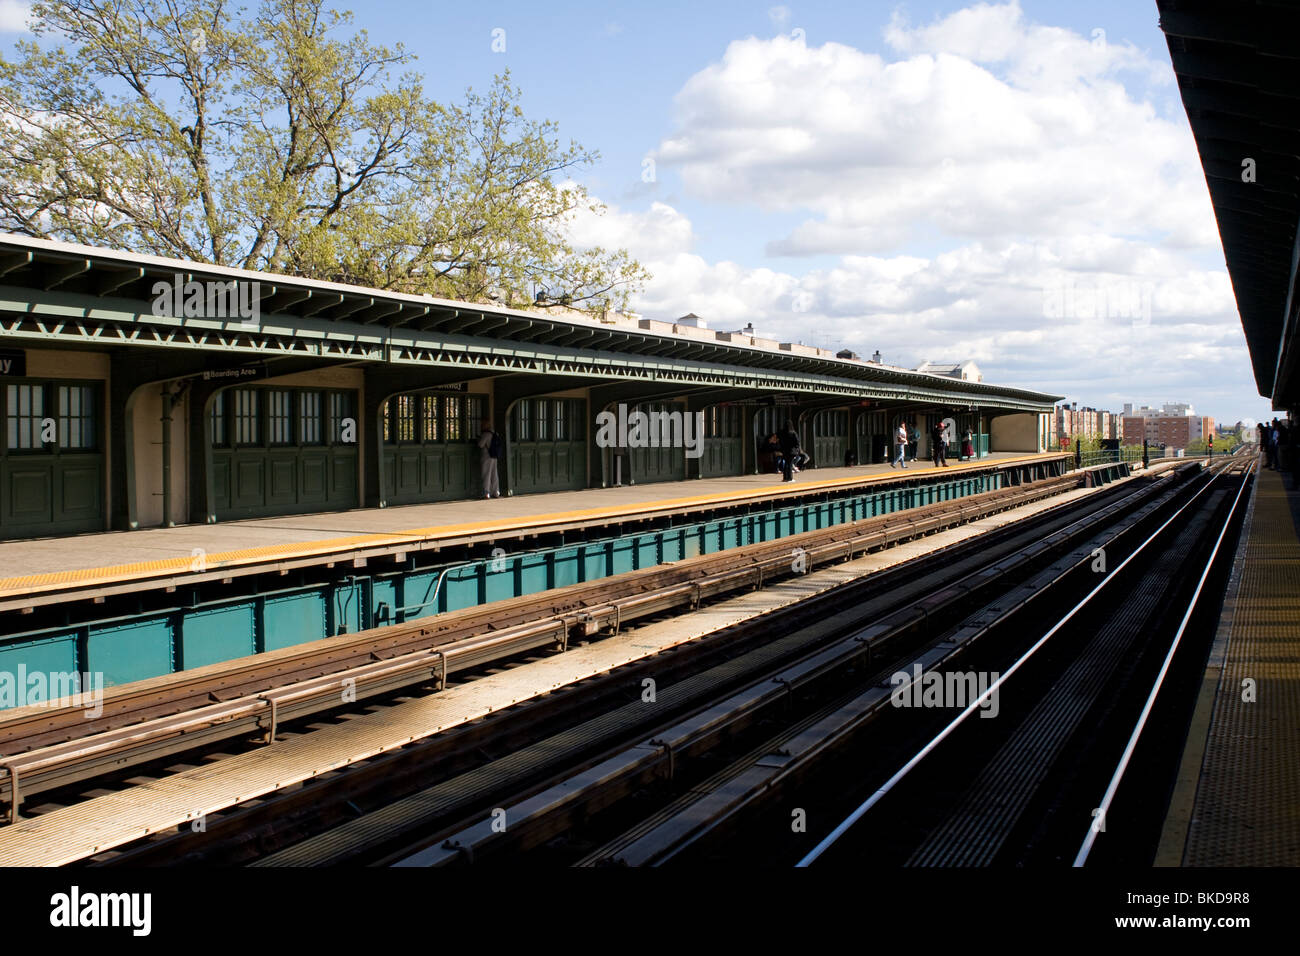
<point x="115" y="574"/>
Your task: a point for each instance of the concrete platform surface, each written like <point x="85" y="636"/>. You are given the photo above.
<point x="1237" y="799"/>
<point x="34" y="564"/>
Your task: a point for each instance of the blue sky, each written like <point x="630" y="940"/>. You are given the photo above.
<point x="1011" y="182"/>
<point x="613" y="75"/>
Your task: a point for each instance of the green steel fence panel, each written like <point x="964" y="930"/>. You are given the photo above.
<point x="384" y="601"/>
<point x="567" y="567"/>
<point x="692" y="546"/>
<point x="460" y="588"/>
<point x="292" y="619"/>
<point x="421" y="595"/>
<point x="194" y="636"/>
<point x="131" y="651"/>
<point x="536" y="572"/>
<point x="622" y="556"/>
<point x="595" y="560"/>
<point x="647" y="550"/>
<point x="349" y="606"/>
<point x="672" y="544"/>
<point x="501" y="579"/>
<point x="213" y="635"/>
<point x="28" y="669"/>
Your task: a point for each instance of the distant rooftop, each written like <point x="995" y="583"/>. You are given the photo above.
<point x="967" y="371"/>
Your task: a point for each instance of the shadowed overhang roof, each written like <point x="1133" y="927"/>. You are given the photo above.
<point x="1238" y="69"/>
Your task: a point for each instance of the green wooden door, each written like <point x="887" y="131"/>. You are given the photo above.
<point x="52" y="459"/>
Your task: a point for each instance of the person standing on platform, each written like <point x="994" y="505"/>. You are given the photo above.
<point x="491" y="450"/>
<point x="938" y="444"/>
<point x="968" y="445"/>
<point x="914" y="439"/>
<point x="789" y="443"/>
<point x="900" y="439"/>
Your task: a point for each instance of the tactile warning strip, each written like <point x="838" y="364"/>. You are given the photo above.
<point x="1247" y="808"/>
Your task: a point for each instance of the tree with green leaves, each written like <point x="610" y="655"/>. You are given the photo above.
<point x="282" y="140"/>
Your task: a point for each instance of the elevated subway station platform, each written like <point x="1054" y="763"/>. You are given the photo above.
<point x="105" y="560"/>
<point x="123" y="416"/>
<point x="138" y="605"/>
<point x="1237" y="801"/>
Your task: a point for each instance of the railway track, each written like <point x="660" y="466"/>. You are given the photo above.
<point x="904" y="603"/>
<point x="1040" y="789"/>
<point x="818" y="717"/>
<point x="47" y="749"/>
<point x="698" y="801"/>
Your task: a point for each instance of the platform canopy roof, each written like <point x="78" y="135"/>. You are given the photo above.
<point x="81" y="295"/>
<point x="1238" y="69"/>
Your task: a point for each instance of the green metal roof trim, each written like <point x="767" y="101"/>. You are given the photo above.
<point x="1238" y="69"/>
<point x="59" y="290"/>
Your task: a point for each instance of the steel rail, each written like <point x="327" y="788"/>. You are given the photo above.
<point x="845" y="825"/>
<point x="1102" y="808"/>
<point x="616" y="774"/>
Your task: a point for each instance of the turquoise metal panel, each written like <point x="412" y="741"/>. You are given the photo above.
<point x="383" y="601"/>
<point x="535" y="572"/>
<point x="46" y="656"/>
<point x="567" y="567"/>
<point x="672" y="544"/>
<point x="595" y="561"/>
<point x="647" y="550"/>
<point x="132" y="651"/>
<point x="347" y="603"/>
<point x="622" y="554"/>
<point x="293" y="619"/>
<point x="692" y="542"/>
<point x="711" y="537"/>
<point x="461" y="588"/>
<point x="212" y="635"/>
<point x="418" y="595"/>
<point x="500" y="579"/>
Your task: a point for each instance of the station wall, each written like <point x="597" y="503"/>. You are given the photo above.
<point x="1024" y="432"/>
<point x="146" y="447"/>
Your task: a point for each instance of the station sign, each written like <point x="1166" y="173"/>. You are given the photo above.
<point x="13" y="362"/>
<point x="232" y="376"/>
<point x="765" y="400"/>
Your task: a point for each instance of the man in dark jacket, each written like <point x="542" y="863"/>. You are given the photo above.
<point x="938" y="446"/>
<point x="789" y="442"/>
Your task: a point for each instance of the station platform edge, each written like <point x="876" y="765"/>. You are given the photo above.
<point x="79" y="561"/>
<point x="1237" y="798"/>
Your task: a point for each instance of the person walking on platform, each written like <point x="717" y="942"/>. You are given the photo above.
<point x="900" y="439"/>
<point x="968" y="445"/>
<point x="914" y="439"/>
<point x="937" y="444"/>
<point x="789" y="444"/>
<point x="491" y="450"/>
